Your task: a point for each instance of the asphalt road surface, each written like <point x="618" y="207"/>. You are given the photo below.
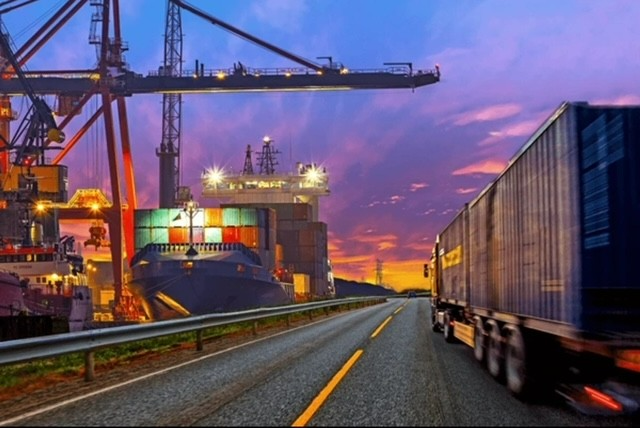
<point x="376" y="366"/>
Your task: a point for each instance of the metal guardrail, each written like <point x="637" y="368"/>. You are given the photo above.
<point x="89" y="341"/>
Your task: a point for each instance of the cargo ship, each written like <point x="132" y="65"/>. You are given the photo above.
<point x="182" y="268"/>
<point x="263" y="247"/>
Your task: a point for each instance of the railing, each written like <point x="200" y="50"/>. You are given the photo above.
<point x="89" y="341"/>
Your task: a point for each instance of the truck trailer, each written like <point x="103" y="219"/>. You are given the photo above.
<point x="536" y="273"/>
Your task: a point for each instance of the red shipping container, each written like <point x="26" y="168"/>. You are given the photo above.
<point x="231" y="234"/>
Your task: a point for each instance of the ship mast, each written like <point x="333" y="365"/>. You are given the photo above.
<point x="248" y="165"/>
<point x="267" y="158"/>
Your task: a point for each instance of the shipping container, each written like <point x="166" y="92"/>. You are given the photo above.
<point x="301" y="283"/>
<point x="231" y="217"/>
<point x="248" y="216"/>
<point x="160" y="217"/>
<point x="213" y="234"/>
<point x="231" y="234"/>
<point x="141" y="218"/>
<point x="160" y="235"/>
<point x="178" y="235"/>
<point x="250" y="236"/>
<point x="543" y="258"/>
<point x="302" y="211"/>
<point x="213" y="217"/>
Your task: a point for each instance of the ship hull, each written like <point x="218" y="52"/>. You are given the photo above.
<point x="11" y="300"/>
<point x="180" y="287"/>
<point x="76" y="305"/>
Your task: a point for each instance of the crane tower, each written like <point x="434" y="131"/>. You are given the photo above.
<point x="169" y="151"/>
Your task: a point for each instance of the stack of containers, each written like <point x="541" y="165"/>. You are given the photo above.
<point x="246" y="225"/>
<point x="297" y="243"/>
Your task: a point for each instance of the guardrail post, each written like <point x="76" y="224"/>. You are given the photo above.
<point x="310" y="314"/>
<point x="199" y="340"/>
<point x="89" y="366"/>
<point x="255" y="328"/>
<point x="326" y="310"/>
<point x="288" y="319"/>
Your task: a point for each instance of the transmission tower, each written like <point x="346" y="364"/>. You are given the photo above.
<point x="378" y="272"/>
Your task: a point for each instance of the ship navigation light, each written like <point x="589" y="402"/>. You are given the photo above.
<point x="314" y="175"/>
<point x="214" y="177"/>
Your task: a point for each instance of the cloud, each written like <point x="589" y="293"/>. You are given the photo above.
<point x="623" y="100"/>
<point x="417" y="186"/>
<point x="520" y="129"/>
<point x="484" y="167"/>
<point x="485" y="114"/>
<point x="465" y="191"/>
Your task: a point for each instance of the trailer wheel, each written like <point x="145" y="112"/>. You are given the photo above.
<point x="515" y="362"/>
<point x="479" y="342"/>
<point x="494" y="350"/>
<point x="434" y="320"/>
<point x="447" y="329"/>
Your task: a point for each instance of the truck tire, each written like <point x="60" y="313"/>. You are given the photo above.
<point x="447" y="328"/>
<point x="479" y="342"/>
<point x="515" y="362"/>
<point x="494" y="350"/>
<point x="434" y="320"/>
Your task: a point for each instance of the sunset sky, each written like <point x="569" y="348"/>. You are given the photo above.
<point x="401" y="162"/>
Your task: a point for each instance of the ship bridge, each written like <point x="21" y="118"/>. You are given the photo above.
<point x="305" y="185"/>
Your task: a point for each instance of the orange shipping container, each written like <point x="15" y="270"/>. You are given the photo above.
<point x="178" y="235"/>
<point x="301" y="283"/>
<point x="212" y="217"/>
<point x="249" y="236"/>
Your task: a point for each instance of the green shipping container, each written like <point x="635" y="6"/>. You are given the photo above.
<point x="249" y="216"/>
<point x="142" y="218"/>
<point x="231" y="217"/>
<point x="160" y="217"/>
<point x="212" y="234"/>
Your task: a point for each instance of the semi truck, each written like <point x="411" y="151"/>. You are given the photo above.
<point x="537" y="273"/>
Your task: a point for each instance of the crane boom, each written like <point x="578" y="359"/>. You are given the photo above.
<point x="223" y="80"/>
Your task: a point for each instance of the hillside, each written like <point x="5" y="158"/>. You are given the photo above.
<point x="345" y="288"/>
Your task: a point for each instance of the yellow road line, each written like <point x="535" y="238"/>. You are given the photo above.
<point x="375" y="333"/>
<point x="317" y="402"/>
<point x="398" y="310"/>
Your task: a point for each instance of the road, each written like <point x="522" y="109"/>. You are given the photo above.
<point x="376" y="366"/>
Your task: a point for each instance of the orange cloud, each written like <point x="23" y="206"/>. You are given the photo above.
<point x="484" y="167"/>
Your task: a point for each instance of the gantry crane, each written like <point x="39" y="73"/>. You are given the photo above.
<point x="113" y="82"/>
